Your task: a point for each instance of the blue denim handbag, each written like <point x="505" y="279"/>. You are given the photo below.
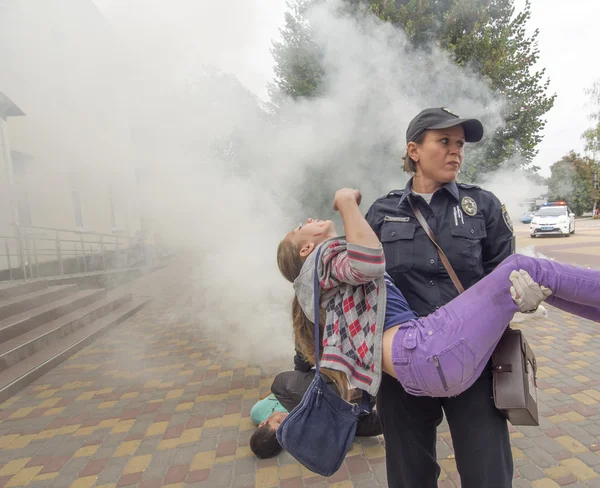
<point x="319" y="431"/>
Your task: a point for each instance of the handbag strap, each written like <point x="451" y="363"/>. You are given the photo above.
<point x="365" y="403"/>
<point x="317" y="306"/>
<point x="442" y="254"/>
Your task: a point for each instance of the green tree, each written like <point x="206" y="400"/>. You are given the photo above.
<point x="298" y="68"/>
<point x="571" y="180"/>
<point x="489" y="38"/>
<point x="485" y="36"/>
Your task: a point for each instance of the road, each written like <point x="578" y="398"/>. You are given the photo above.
<point x="582" y="248"/>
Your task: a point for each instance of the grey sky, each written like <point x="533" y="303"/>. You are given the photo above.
<point x="236" y="36"/>
<point x="569" y="39"/>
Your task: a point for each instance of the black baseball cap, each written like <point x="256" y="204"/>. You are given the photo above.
<point x="442" y="118"/>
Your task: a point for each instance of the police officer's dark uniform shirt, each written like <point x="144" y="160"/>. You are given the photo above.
<point x="470" y="225"/>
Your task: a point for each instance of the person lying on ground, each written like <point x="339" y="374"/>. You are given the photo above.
<point x="287" y="391"/>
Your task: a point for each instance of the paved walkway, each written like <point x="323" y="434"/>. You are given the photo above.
<point x="156" y="403"/>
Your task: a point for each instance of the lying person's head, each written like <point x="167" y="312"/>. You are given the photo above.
<point x="299" y="243"/>
<point x="264" y="443"/>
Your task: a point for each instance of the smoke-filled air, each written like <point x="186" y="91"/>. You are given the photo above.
<point x="175" y="93"/>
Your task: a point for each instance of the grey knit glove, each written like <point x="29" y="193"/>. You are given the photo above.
<point x="527" y="293"/>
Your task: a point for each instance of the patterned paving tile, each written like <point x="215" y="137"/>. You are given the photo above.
<point x="156" y="403"/>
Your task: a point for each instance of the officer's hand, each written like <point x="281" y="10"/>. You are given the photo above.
<point x="527" y="293"/>
<point x="346" y="195"/>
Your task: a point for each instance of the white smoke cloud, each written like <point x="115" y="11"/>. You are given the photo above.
<point x="514" y="188"/>
<point x="225" y="182"/>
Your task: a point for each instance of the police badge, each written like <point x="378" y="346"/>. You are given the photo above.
<point x="469" y="206"/>
<point x="506" y="218"/>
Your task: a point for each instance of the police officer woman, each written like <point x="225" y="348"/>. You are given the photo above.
<point x="473" y="229"/>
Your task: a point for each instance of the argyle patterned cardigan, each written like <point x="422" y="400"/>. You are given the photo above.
<point x="353" y="295"/>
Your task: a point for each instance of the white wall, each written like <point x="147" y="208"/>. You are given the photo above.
<point x="60" y="63"/>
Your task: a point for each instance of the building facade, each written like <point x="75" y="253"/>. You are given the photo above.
<point x="66" y="160"/>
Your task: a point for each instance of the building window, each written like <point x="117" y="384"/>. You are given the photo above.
<point x="24" y="209"/>
<point x="19" y="164"/>
<point x="113" y="215"/>
<point x="77" y="210"/>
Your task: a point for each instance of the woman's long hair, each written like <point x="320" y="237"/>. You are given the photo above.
<point x="290" y="263"/>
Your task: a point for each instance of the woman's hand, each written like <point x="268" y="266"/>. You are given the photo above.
<point x="345" y="196"/>
<point x="357" y="229"/>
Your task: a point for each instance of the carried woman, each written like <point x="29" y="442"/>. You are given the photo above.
<point x="369" y="327"/>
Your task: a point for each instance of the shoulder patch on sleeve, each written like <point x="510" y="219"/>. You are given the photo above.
<point x="506" y="218"/>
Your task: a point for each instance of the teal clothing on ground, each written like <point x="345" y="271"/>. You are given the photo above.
<point x="264" y="408"/>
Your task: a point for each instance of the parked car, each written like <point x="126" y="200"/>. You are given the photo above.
<point x="553" y="218"/>
<point x="527" y="217"/>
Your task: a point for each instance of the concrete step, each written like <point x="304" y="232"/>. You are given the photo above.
<point x="11" y="290"/>
<point x="27" y="344"/>
<point x="101" y="279"/>
<point x="23" y="373"/>
<point x="28" y="320"/>
<point x="17" y="305"/>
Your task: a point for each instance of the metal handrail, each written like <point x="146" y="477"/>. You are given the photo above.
<point x="40" y="256"/>
<point x="74" y="231"/>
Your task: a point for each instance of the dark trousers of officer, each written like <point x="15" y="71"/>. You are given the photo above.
<point x="479" y="436"/>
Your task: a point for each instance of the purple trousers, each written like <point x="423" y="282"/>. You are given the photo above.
<point x="442" y="355"/>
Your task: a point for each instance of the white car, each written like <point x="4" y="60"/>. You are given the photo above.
<point x="554" y="218"/>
